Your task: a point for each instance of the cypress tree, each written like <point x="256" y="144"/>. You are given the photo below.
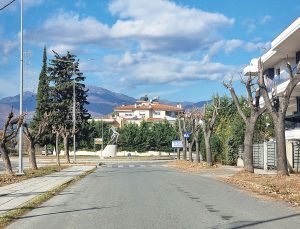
<point x="42" y="100"/>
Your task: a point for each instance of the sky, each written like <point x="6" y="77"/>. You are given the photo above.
<point x="180" y="50"/>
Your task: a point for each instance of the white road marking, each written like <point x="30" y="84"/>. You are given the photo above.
<point x="131" y="166"/>
<point x="120" y="166"/>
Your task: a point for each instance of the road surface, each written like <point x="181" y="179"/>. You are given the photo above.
<point x="150" y="195"/>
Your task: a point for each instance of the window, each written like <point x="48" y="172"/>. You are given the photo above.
<point x="157" y="113"/>
<point x="142" y="114"/>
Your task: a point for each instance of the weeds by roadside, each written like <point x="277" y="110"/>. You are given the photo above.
<point x="13" y="215"/>
<point x="190" y="167"/>
<point x="29" y="173"/>
<point x="285" y="188"/>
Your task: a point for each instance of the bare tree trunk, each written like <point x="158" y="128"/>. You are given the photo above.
<point x="191" y="150"/>
<point x="32" y="158"/>
<point x="197" y="152"/>
<point x="57" y="148"/>
<point x="46" y="150"/>
<point x="248" y="146"/>
<point x="6" y="160"/>
<point x="184" y="149"/>
<point x="282" y="168"/>
<point x="66" y="147"/>
<point x="207" y="149"/>
<point x="178" y="154"/>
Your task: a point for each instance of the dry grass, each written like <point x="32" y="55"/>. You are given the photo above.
<point x="191" y="167"/>
<point x="285" y="188"/>
<point x="29" y="173"/>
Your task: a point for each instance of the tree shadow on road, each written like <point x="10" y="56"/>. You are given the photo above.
<point x="65" y="212"/>
<point x="248" y="224"/>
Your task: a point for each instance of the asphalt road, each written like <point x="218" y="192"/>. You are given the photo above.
<point x="149" y="195"/>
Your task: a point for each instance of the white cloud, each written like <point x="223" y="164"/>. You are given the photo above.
<point x="6" y="47"/>
<point x="265" y="19"/>
<point x="249" y="46"/>
<point x="62" y="49"/>
<point x="80" y="4"/>
<point x="158" y="69"/>
<point x="157" y="25"/>
<point x="74" y="29"/>
<point x="161" y="25"/>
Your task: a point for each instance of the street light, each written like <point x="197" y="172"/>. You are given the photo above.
<point x="21" y="95"/>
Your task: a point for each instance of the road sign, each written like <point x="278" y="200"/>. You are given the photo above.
<point x="186" y="134"/>
<point x="98" y="141"/>
<point x="177" y="144"/>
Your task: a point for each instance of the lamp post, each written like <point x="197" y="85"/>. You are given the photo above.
<point x="74" y="120"/>
<point x="21" y="96"/>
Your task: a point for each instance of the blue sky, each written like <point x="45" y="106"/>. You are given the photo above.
<point x="180" y="50"/>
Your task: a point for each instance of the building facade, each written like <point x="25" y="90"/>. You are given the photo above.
<point x="284" y="48"/>
<point x="143" y="110"/>
<point x="149" y="111"/>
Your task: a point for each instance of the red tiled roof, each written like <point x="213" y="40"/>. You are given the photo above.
<point x="155" y="106"/>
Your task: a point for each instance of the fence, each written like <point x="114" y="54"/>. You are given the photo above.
<point x="296" y="156"/>
<point x="264" y="155"/>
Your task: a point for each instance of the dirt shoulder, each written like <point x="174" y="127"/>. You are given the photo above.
<point x="29" y="173"/>
<point x="203" y="168"/>
<point x="187" y="166"/>
<point x="285" y="188"/>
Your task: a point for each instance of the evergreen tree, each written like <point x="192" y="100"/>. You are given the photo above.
<point x="42" y="97"/>
<point x="64" y="73"/>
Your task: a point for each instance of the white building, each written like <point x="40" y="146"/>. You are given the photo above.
<point x="285" y="47"/>
<point x="150" y="111"/>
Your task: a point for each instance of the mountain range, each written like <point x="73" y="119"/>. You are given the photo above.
<point x="101" y="102"/>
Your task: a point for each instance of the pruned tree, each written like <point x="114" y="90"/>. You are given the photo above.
<point x="182" y="128"/>
<point x="196" y="117"/>
<point x="277" y="106"/>
<point x="10" y="131"/>
<point x="208" y="122"/>
<point x="253" y="94"/>
<point x="34" y="137"/>
<point x="66" y="133"/>
<point x="57" y="130"/>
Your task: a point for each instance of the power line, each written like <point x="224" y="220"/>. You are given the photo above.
<point x="2" y="8"/>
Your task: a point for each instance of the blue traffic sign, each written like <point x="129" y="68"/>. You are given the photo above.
<point x="186" y="134"/>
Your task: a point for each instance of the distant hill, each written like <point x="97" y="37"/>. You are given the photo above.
<point x="199" y="104"/>
<point x="102" y="102"/>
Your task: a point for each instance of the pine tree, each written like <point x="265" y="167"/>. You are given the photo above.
<point x="64" y="73"/>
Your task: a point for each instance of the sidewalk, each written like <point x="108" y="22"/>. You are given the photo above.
<point x="15" y="195"/>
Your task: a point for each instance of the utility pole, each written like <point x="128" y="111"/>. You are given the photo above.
<point x="102" y="144"/>
<point x="74" y="120"/>
<point x="21" y="96"/>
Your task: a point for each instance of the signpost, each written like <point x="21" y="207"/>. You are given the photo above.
<point x="177" y="144"/>
<point x="186" y="134"/>
<point x="98" y="141"/>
